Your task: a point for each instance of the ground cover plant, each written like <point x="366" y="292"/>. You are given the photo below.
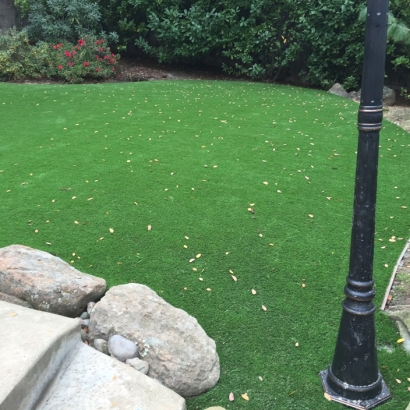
<point x="231" y="200"/>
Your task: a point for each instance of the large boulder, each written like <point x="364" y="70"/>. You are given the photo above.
<point x="179" y="352"/>
<point x="46" y="282"/>
<point x="337" y="89"/>
<point x="389" y="96"/>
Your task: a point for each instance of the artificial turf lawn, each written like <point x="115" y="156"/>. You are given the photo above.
<point x="84" y="170"/>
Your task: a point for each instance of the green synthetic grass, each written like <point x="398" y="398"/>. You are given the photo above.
<point x="84" y="170"/>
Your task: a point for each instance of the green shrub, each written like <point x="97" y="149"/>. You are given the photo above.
<point x="261" y="38"/>
<point x="89" y="59"/>
<point x="53" y="20"/>
<point x="18" y="58"/>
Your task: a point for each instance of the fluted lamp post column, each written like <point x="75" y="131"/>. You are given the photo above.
<point x="353" y="378"/>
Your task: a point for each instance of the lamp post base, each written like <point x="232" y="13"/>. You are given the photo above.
<point x="355" y="404"/>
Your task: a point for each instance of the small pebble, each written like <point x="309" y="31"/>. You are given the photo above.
<point x="83" y="335"/>
<point x="122" y="348"/>
<point x="138" y="364"/>
<point x="85" y="322"/>
<point x="215" y="408"/>
<point x="84" y="315"/>
<point x="101" y="345"/>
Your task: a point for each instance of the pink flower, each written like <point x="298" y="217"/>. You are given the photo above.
<point x="112" y="61"/>
<point x="74" y="53"/>
<point x="101" y="50"/>
<point x="60" y="67"/>
<point x="70" y="63"/>
<point x="98" y="69"/>
<point x="86" y="63"/>
<point x="67" y="53"/>
<point x="81" y="42"/>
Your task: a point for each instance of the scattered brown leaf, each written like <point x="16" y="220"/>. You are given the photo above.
<point x="245" y="396"/>
<point x="327" y="396"/>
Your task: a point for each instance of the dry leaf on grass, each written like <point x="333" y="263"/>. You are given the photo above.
<point x="149" y="227"/>
<point x="327" y="396"/>
<point x="253" y="292"/>
<point x="264" y="308"/>
<point x="245" y="396"/>
<point x="231" y="397"/>
<point x="234" y="278"/>
<point x="401" y="340"/>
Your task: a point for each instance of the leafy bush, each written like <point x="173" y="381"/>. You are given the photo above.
<point x="261" y="38"/>
<point x="89" y="59"/>
<point x="333" y="38"/>
<point x="18" y="58"/>
<point x="53" y="20"/>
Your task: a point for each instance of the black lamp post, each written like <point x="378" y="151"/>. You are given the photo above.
<point x="353" y="378"/>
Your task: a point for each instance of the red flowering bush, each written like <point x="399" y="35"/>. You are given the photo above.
<point x="88" y="59"/>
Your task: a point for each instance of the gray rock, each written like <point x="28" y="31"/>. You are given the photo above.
<point x="122" y="348"/>
<point x="101" y="345"/>
<point x="83" y="335"/>
<point x="84" y="315"/>
<point x="12" y="299"/>
<point x="180" y="354"/>
<point x="138" y="364"/>
<point x="46" y="282"/>
<point x="355" y="96"/>
<point x="90" y="307"/>
<point x="337" y="89"/>
<point x="84" y="322"/>
<point x="389" y="96"/>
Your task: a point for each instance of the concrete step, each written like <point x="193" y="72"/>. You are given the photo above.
<point x="33" y="346"/>
<point x="45" y="366"/>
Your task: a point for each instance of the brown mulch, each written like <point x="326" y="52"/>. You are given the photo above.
<point x="146" y="70"/>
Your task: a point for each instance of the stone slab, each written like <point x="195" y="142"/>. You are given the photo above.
<point x="33" y="345"/>
<point x="95" y="381"/>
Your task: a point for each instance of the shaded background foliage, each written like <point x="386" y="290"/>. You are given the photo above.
<point x="316" y="43"/>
